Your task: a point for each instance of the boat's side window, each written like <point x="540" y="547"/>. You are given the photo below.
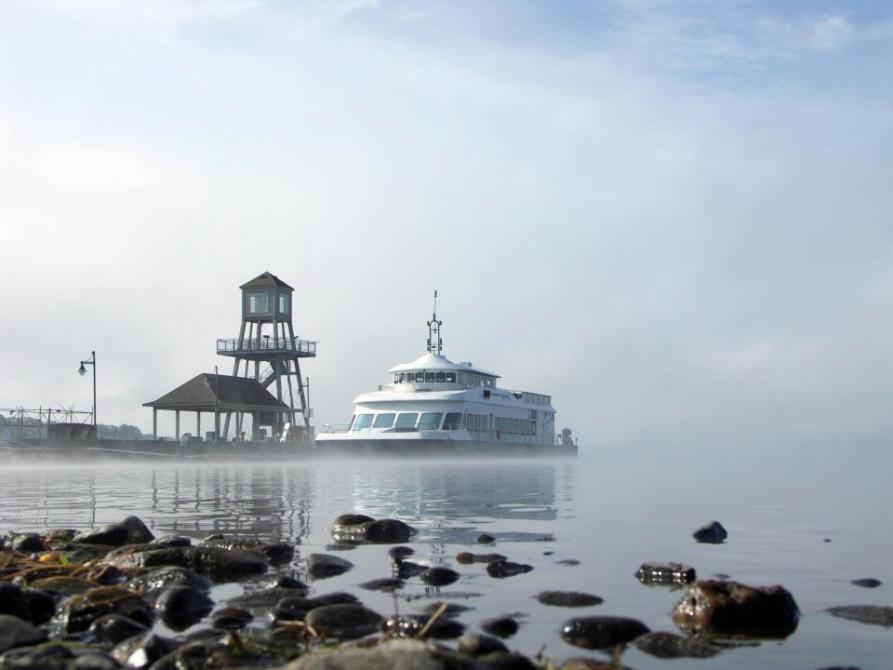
<point x="406" y="421"/>
<point x="397" y="379"/>
<point x="362" y="421"/>
<point x="429" y="376"/>
<point x="420" y="376"/>
<point x="430" y="420"/>
<point x="453" y="421"/>
<point x="401" y="378"/>
<point x="451" y="377"/>
<point x="384" y="420"/>
<point x="441" y="377"/>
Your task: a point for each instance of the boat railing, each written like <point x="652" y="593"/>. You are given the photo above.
<point x="266" y="344"/>
<point x="329" y="428"/>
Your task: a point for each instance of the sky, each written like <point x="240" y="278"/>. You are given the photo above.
<point x="672" y="216"/>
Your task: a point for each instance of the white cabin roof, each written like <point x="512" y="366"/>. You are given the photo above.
<point x="431" y="361"/>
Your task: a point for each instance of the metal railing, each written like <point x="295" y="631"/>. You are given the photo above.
<point x="297" y="345"/>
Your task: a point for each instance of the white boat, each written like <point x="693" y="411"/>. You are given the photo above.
<point x="435" y="405"/>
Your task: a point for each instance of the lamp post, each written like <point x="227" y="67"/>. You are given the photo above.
<point x="82" y="371"/>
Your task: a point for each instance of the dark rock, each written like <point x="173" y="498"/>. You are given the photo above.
<point x="60" y="585"/>
<point x="345" y="522"/>
<point x="483" y="538"/>
<point x="15" y="632"/>
<point x="601" y="632"/>
<point x="452" y="609"/>
<point x="344" y="622"/>
<point x="295" y="608"/>
<point x="388" y="531"/>
<point x="386" y="584"/>
<point x="33" y="605"/>
<point x="222" y="565"/>
<point x="568" y="599"/>
<point x="182" y="606"/>
<point x="340" y="546"/>
<point x="400" y="552"/>
<point x="112" y="535"/>
<point x="275" y="552"/>
<point x="138" y="653"/>
<point x="729" y="608"/>
<point x="197" y="655"/>
<point x="93" y="660"/>
<point x="712" y="533"/>
<point x="507" y="660"/>
<point x="162" y="578"/>
<point x="396" y="654"/>
<point x="422" y="627"/>
<point x="138" y="532"/>
<point x="866" y="582"/>
<point x="475" y="644"/>
<point x="870" y="614"/>
<point x="46" y="656"/>
<point x="321" y="566"/>
<point x="28" y="543"/>
<point x="665" y="573"/>
<point x="265" y="598"/>
<point x="467" y="558"/>
<point x="407" y="569"/>
<point x="501" y="626"/>
<point x="115" y="628"/>
<point x="568" y="561"/>
<point x="231" y="618"/>
<point x="439" y="576"/>
<point x="668" y="645"/>
<point x="173" y="541"/>
<point x="503" y="569"/>
<point x="77" y="613"/>
<point x="288" y="582"/>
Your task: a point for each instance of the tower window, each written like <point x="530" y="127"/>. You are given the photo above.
<point x="283" y="304"/>
<point x="259" y="303"/>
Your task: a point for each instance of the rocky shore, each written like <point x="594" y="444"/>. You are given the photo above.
<point x="119" y="597"/>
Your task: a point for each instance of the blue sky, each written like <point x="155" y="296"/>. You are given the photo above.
<point x="673" y="216"/>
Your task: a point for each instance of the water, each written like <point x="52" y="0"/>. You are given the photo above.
<point x="611" y="510"/>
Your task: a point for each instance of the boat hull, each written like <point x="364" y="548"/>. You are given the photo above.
<point x="436" y="448"/>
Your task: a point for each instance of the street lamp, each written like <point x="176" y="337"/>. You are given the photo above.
<point x="82" y="371"/>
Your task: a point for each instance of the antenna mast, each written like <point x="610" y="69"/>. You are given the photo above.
<point x="435" y="342"/>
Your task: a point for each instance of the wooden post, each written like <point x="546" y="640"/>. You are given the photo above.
<point x="155" y="423"/>
<point x="177" y="425"/>
<point x="198" y="424"/>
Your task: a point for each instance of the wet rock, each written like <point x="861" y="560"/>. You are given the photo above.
<point x="93" y="659"/>
<point x="138" y="653"/>
<point x="275" y="552"/>
<point x="115" y="628"/>
<point x="46" y="656"/>
<point x="398" y="654"/>
<point x="344" y="621"/>
<point x="407" y="569"/>
<point x="422" y="627"/>
<point x="500" y="626"/>
<point x="60" y="585"/>
<point x="731" y="608"/>
<point x="172" y="541"/>
<point x="601" y="632"/>
<point x="265" y="598"/>
<point x="138" y="531"/>
<point x="222" y="565"/>
<point x="507" y="660"/>
<point x="288" y="582"/>
<point x="112" y="535"/>
<point x="668" y="645"/>
<point x="386" y="584"/>
<point x="439" y="576"/>
<point x="467" y="558"/>
<point x="181" y="606"/>
<point x="388" y="531"/>
<point x="321" y="566"/>
<point x="568" y="561"/>
<point x="197" y="655"/>
<point x="106" y="575"/>
<point x="568" y="599"/>
<point x="866" y="582"/>
<point x="231" y="618"/>
<point x="295" y="608"/>
<point x="15" y="632"/>
<point x="77" y="613"/>
<point x="484" y="538"/>
<point x="400" y="552"/>
<point x="871" y="614"/>
<point x="712" y="533"/>
<point x="162" y="578"/>
<point x="347" y="523"/>
<point x="32" y="605"/>
<point x="27" y="543"/>
<point x="340" y="546"/>
<point x="475" y="644"/>
<point x="665" y="573"/>
<point x="503" y="569"/>
<point x="452" y="609"/>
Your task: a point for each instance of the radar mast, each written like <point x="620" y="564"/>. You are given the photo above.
<point x="435" y="342"/>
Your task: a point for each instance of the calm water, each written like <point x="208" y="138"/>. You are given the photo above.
<point x="611" y="510"/>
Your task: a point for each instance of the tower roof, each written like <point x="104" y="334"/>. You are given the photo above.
<point x="264" y="280"/>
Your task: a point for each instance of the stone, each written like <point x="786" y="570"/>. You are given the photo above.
<point x="413" y="625"/>
<point x="397" y="654"/>
<point x="665" y="574"/>
<point x="138" y="532"/>
<point x="386" y="584"/>
<point x="60" y="585"/>
<point x="568" y="561"/>
<point x="503" y="569"/>
<point x="94" y="660"/>
<point x="231" y="618"/>
<point x="601" y="632"/>
<point x="199" y="654"/>
<point x="115" y="628"/>
<point x="28" y="543"/>
<point x="295" y="608"/>
<point x="871" y="614"/>
<point x="669" y="645"/>
<point x="507" y="660"/>
<point x="265" y="597"/>
<point x="347" y="522"/>
<point x="274" y="552"/>
<point x="112" y="535"/>
<point x="288" y="582"/>
<point x="15" y="632"/>
<point x="400" y="552"/>
<point x="173" y="541"/>
<point x="867" y="582"/>
<point x="712" y="533"/>
<point x="344" y="621"/>
<point x="467" y="558"/>
<point x="484" y="538"/>
<point x="162" y="578"/>
<point x="730" y="608"/>
<point x="500" y="626"/>
<point x="388" y="531"/>
<point x="568" y="599"/>
<point x="221" y="565"/>
<point x="32" y="605"/>
<point x="475" y="644"/>
<point x="407" y="569"/>
<point x="46" y="656"/>
<point x="452" y="609"/>
<point x="77" y="613"/>
<point x="439" y="576"/>
<point x="322" y="566"/>
<point x="138" y="653"/>
<point x="182" y="606"/>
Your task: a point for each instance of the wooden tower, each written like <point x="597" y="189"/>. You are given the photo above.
<point x="269" y="350"/>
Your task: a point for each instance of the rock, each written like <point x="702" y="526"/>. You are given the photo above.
<point x="439" y="576"/>
<point x="398" y="654"/>
<point x="386" y="584"/>
<point x="138" y="532"/>
<point x="501" y="626"/>
<point x="46" y="656"/>
<point x="665" y="573"/>
<point x="295" y="608"/>
<point x="866" y="582"/>
<point x="32" y="605"/>
<point x="60" y="585"/>
<point x="162" y="578"/>
<point x="138" y="653"/>
<point x="475" y="644"/>
<point x="483" y="538"/>
<point x="94" y="660"/>
<point x="288" y="582"/>
<point x="265" y="598"/>
<point x="412" y="625"/>
<point x="452" y="609"/>
<point x="568" y="599"/>
<point x="222" y="565"/>
<point x="340" y="546"/>
<point x="112" y="535"/>
<point x="730" y="608"/>
<point x="871" y="614"/>
<point x="172" y="541"/>
<point x="503" y="569"/>
<point x="182" y="606"/>
<point x="601" y="632"/>
<point x="568" y="561"/>
<point x="115" y="628"/>
<point x="28" y="543"/>
<point x="507" y="660"/>
<point x="347" y="522"/>
<point x="15" y="632"/>
<point x="712" y="533"/>
<point x="467" y="558"/>
<point x="388" y="531"/>
<point x="407" y="569"/>
<point x="231" y="618"/>
<point x="400" y="552"/>
<point x="77" y="613"/>
<point x="199" y="654"/>
<point x="344" y="621"/>
<point x="322" y="566"/>
<point x="275" y="552"/>
<point x="668" y="645"/>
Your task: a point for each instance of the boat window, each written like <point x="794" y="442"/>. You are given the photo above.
<point x="362" y="421"/>
<point x="420" y="376"/>
<point x="406" y="420"/>
<point x="441" y="377"/>
<point x="400" y="378"/>
<point x="452" y="421"/>
<point x="451" y="377"/>
<point x="429" y="376"/>
<point x="384" y="420"/>
<point x="396" y="378"/>
<point x="430" y="420"/>
<point x="350" y="425"/>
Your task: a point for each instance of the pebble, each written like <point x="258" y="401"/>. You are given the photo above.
<point x="344" y="621"/>
<point x="439" y="576"/>
<point x="602" y="632"/>
<point x="501" y="626"/>
<point x="161" y="578"/>
<point x="867" y="582"/>
<point x="15" y="632"/>
<point x="467" y="558"/>
<point x="712" y="533"/>
<point x="182" y="606"/>
<point x="476" y="644"/>
<point x="400" y="552"/>
<point x="484" y="538"/>
<point x="665" y="573"/>
<point x="322" y="566"/>
<point x="568" y="599"/>
<point x="115" y="628"/>
<point x="670" y="645"/>
<point x="503" y="569"/>
<point x="28" y="543"/>
<point x="386" y="584"/>
<point x="871" y="614"/>
<point x="231" y="618"/>
<point x="141" y="651"/>
<point x="32" y="605"/>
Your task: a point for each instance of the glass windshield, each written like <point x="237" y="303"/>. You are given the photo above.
<point x="384" y="421"/>
<point x="420" y="376"/>
<point x="441" y="377"/>
<point x="452" y="421"/>
<point x="429" y="376"/>
<point x="406" y="420"/>
<point x="430" y="420"/>
<point x="451" y="377"/>
<point x="362" y="421"/>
